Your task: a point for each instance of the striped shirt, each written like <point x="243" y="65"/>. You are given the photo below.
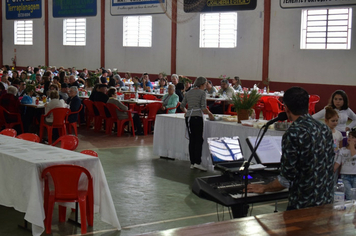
<point x="196" y="100"/>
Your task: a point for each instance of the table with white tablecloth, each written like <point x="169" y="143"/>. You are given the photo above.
<point x="21" y="186"/>
<point x="170" y="136"/>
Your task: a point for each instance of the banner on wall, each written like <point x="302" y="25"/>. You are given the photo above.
<point x="315" y="3"/>
<point x="129" y="7"/>
<point x="23" y="9"/>
<point x="218" y="5"/>
<point x="74" y="8"/>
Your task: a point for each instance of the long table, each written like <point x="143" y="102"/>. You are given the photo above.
<point x="21" y="187"/>
<point x="170" y="140"/>
<point x="321" y="220"/>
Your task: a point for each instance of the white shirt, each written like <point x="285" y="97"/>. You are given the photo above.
<point x="337" y="137"/>
<point x="5" y="85"/>
<point x="54" y="103"/>
<point x="344" y="115"/>
<point x="347" y="162"/>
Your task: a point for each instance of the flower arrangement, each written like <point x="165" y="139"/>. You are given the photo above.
<point x="183" y="79"/>
<point x="224" y="77"/>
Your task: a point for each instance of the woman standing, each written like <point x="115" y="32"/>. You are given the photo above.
<point x="196" y="100"/>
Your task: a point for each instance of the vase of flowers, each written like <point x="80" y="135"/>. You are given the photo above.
<point x="244" y="102"/>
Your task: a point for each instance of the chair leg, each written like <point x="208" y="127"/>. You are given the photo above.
<point x="49" y="132"/>
<point x="62" y="210"/>
<point x="132" y="127"/>
<point x="74" y="124"/>
<point x="83" y="215"/>
<point x="49" y="215"/>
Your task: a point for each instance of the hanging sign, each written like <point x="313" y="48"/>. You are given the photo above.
<point x="129" y="7"/>
<point x="218" y="5"/>
<point x="74" y="8"/>
<point x="23" y="9"/>
<point x="315" y="3"/>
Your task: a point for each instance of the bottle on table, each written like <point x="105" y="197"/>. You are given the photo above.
<point x="136" y="95"/>
<point x="264" y="90"/>
<point x="339" y="192"/>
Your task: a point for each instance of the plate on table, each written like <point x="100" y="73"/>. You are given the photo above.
<point x="217" y="117"/>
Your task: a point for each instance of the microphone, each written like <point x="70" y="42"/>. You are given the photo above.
<point x="281" y="117"/>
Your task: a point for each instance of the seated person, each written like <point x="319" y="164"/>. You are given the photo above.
<point x="100" y="94"/>
<point x="162" y="84"/>
<point x="104" y="76"/>
<point x="179" y="91"/>
<point x="136" y="82"/>
<point x="22" y="89"/>
<point x="54" y="103"/>
<point x="73" y="82"/>
<point x="112" y="93"/>
<point x="236" y="84"/>
<point x="175" y="79"/>
<point x="187" y="85"/>
<point x="169" y="100"/>
<point x="210" y="88"/>
<point x="56" y="81"/>
<point x="225" y="91"/>
<point x="64" y="92"/>
<point x="11" y="103"/>
<point x="146" y="83"/>
<point x="74" y="103"/>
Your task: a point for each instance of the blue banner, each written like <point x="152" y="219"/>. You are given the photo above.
<point x="74" y="8"/>
<point x="22" y="9"/>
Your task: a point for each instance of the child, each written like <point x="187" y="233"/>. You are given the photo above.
<point x="331" y="120"/>
<point x="347" y="159"/>
<point x="339" y="101"/>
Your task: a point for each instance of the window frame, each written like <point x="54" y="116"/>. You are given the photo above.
<point x="134" y="36"/>
<point x="330" y="24"/>
<point x="16" y="35"/>
<point x="222" y="16"/>
<point x="77" y="38"/>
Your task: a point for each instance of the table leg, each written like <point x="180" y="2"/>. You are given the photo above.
<point x="25" y="226"/>
<point x="75" y="221"/>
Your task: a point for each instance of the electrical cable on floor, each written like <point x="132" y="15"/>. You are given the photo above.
<point x="230" y="212"/>
<point x="251" y="209"/>
<point x="223" y="217"/>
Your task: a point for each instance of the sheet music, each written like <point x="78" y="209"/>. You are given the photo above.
<point x="270" y="149"/>
<point x="225" y="149"/>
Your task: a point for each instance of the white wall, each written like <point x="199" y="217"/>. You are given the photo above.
<point x="155" y="59"/>
<point x="288" y="63"/>
<point x="77" y="56"/>
<point x="245" y="60"/>
<point x="26" y="55"/>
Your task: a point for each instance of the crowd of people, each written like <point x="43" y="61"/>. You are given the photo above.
<point x="331" y="146"/>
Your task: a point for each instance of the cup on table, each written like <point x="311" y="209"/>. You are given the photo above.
<point x="34" y="100"/>
<point x="353" y="194"/>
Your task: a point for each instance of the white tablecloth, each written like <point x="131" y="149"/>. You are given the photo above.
<point x="21" y="186"/>
<point x="169" y="136"/>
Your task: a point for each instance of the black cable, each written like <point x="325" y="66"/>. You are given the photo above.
<point x="230" y="212"/>
<point x="251" y="209"/>
<point x="217" y="211"/>
<point x="223" y="217"/>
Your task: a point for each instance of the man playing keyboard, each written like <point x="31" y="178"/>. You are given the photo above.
<point x="307" y="157"/>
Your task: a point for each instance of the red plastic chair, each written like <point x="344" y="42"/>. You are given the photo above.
<point x="152" y="109"/>
<point x="168" y="109"/>
<point x="68" y="142"/>
<point x="149" y="97"/>
<point x="276" y="105"/>
<point x="59" y="122"/>
<point x="101" y="106"/>
<point x="258" y="107"/>
<point x="90" y="153"/>
<point x="267" y="109"/>
<point x="9" y="132"/>
<point x="66" y="182"/>
<point x="89" y="111"/>
<point x="313" y="99"/>
<point x="229" y="110"/>
<point x="3" y="121"/>
<point x="120" y="123"/>
<point x="29" y="137"/>
<point x="73" y="124"/>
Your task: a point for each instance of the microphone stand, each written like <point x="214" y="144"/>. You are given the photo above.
<point x="244" y="168"/>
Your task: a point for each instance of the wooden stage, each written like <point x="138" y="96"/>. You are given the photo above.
<point x="321" y="220"/>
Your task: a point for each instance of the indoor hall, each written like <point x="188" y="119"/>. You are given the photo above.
<point x="270" y="49"/>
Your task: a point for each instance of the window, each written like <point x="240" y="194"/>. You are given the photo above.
<point x="218" y="30"/>
<point x="326" y="29"/>
<point x="137" y="31"/>
<point x="74" y="32"/>
<point x="23" y="30"/>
